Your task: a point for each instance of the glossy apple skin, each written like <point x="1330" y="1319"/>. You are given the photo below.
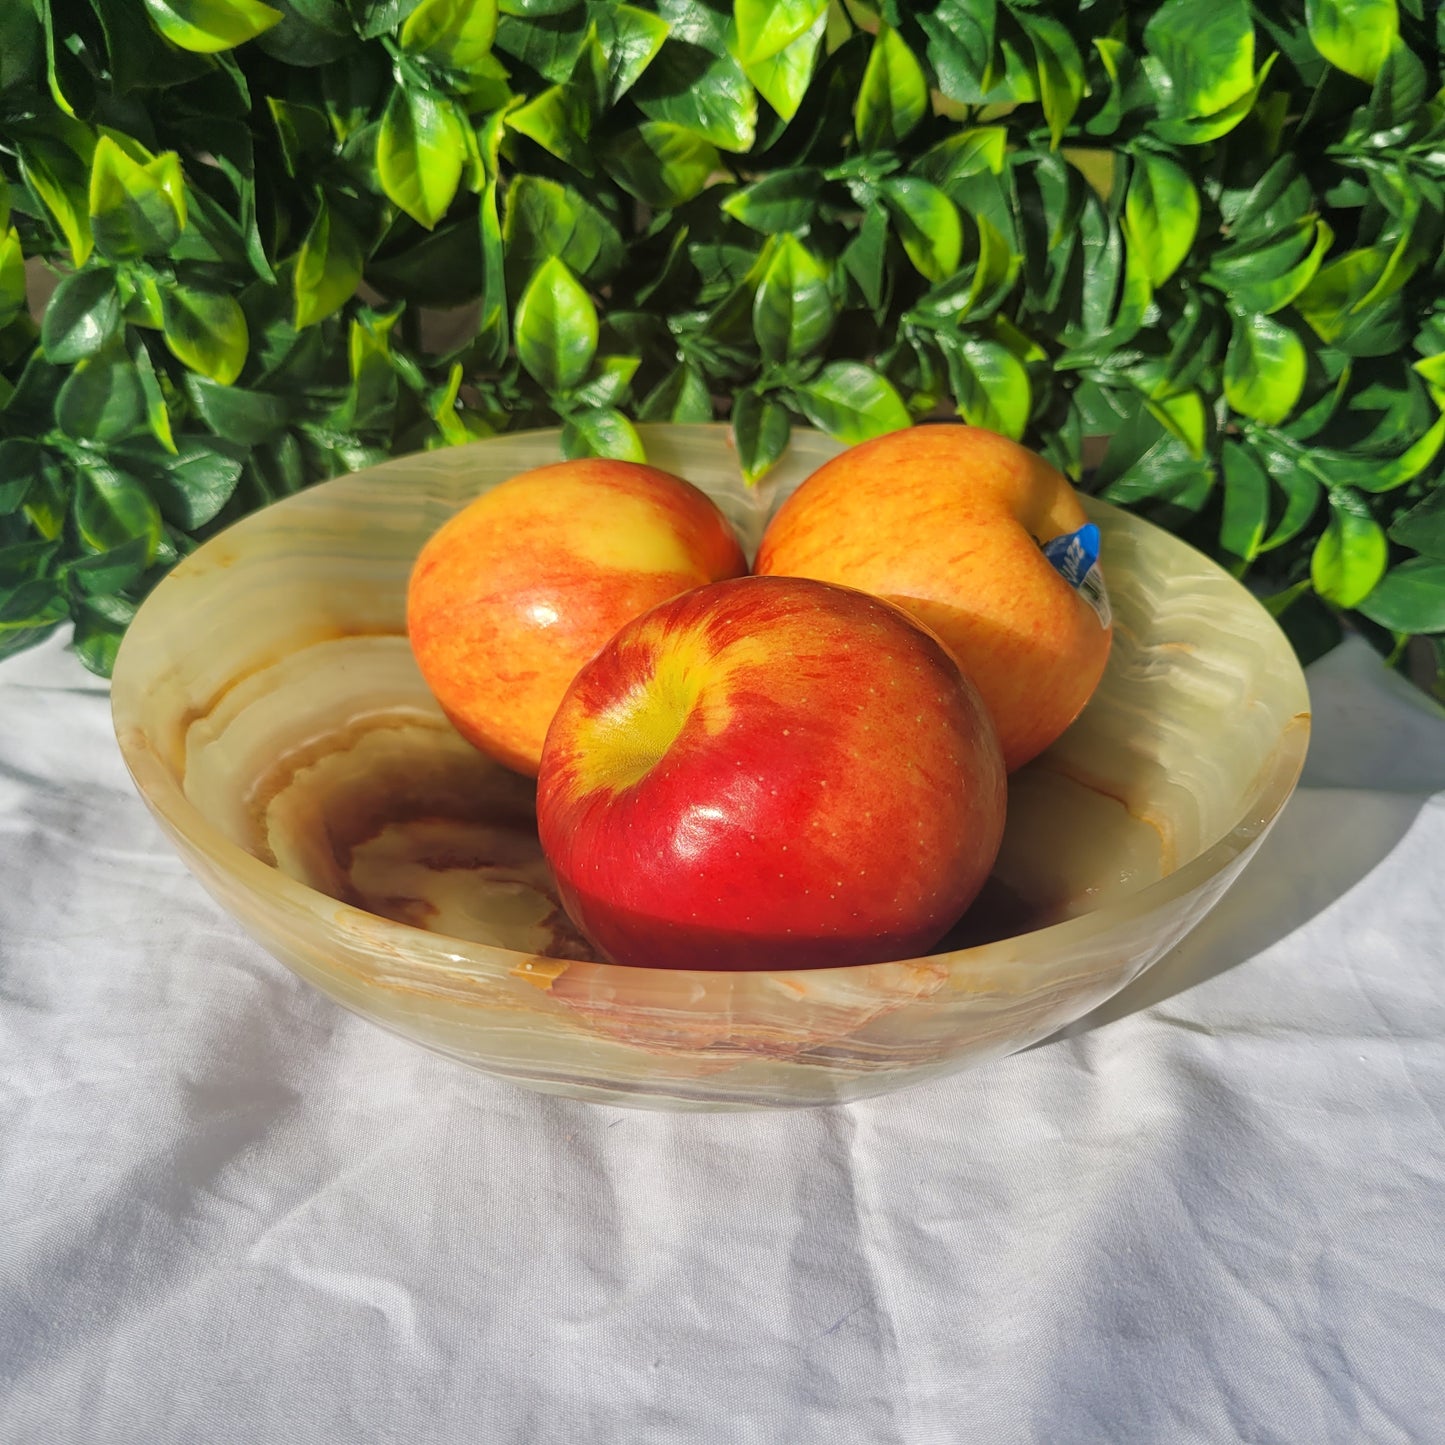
<point x="770" y="773"/>
<point x="512" y="595"/>
<point x="946" y="521"/>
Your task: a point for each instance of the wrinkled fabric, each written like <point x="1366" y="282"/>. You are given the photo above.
<point x="1213" y="1211"/>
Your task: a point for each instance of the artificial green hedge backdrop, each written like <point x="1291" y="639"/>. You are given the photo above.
<point x="1209" y="230"/>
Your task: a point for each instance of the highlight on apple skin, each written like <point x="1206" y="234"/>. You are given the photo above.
<point x="770" y="773"/>
<point x="513" y="594"/>
<point x="947" y="521"/>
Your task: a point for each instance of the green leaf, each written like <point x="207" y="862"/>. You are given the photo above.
<point x="701" y="91"/>
<point x="372" y="366"/>
<point x="545" y="218"/>
<point x="1351" y="554"/>
<point x="443" y="268"/>
<point x="1200" y="131"/>
<point x="96" y="641"/>
<point x="55" y="163"/>
<point x="1013" y="71"/>
<point x="1408" y="465"/>
<point x="560" y="121"/>
<point x="1411" y="599"/>
<point x="601" y="432"/>
<point x="961" y="36"/>
<point x="852" y="402"/>
<point x="631" y="38"/>
<point x="1246" y="502"/>
<point x="29" y="613"/>
<point x="1182" y="416"/>
<point x="492" y="331"/>
<point x="328" y="268"/>
<point x="1400" y="90"/>
<point x="590" y="76"/>
<point x="609" y="382"/>
<point x="761" y="428"/>
<point x="194" y="485"/>
<point x="556" y="328"/>
<point x="995" y="270"/>
<point x="209" y="26"/>
<point x="1422" y="528"/>
<point x="782" y="79"/>
<point x="282" y="464"/>
<point x="1311" y="626"/>
<point x="1057" y="214"/>
<point x="893" y="98"/>
<point x="20" y="462"/>
<point x="1339" y="288"/>
<point x="311" y="33"/>
<point x="101" y="400"/>
<point x="158" y="416"/>
<point x="967" y="152"/>
<point x="1353" y="284"/>
<point x="456" y="34"/>
<point x="784" y="200"/>
<point x="682" y="396"/>
<point x="1128" y="91"/>
<point x="105" y="573"/>
<point x="47" y="499"/>
<point x="21" y="44"/>
<point x="205" y="330"/>
<point x="378" y="17"/>
<point x="1162" y="208"/>
<point x="793" y="311"/>
<point x="235" y="413"/>
<point x="1203" y="55"/>
<point x="1432" y="368"/>
<point x="1353" y="35"/>
<point x="1148" y="467"/>
<point x="25" y="562"/>
<point x="111" y="508"/>
<point x="550" y="45"/>
<point x="441" y="405"/>
<point x="12" y="276"/>
<point x="928" y="224"/>
<point x="420" y="152"/>
<point x="765" y="27"/>
<point x="305" y="134"/>
<point x="662" y="164"/>
<point x="990" y="384"/>
<point x="1060" y="70"/>
<point x="865" y="258"/>
<point x="1266" y="275"/>
<point x="136" y="208"/>
<point x="82" y="317"/>
<point x="1302" y="492"/>
<point x="1264" y="369"/>
<point x="1281" y="197"/>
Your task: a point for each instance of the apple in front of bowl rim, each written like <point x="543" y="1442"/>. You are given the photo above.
<point x="770" y="773"/>
<point x="951" y="522"/>
<point x="513" y="594"/>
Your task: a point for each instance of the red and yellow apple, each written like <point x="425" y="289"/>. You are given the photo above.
<point x="512" y="595"/>
<point x="947" y="522"/>
<point x="770" y="773"/>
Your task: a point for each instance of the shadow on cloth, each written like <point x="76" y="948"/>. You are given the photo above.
<point x="1376" y="758"/>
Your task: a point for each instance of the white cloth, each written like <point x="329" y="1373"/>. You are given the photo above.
<point x="231" y="1212"/>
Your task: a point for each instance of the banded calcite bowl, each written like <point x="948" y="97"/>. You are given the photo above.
<point x="270" y="712"/>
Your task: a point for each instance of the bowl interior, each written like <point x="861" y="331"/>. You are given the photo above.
<point x="268" y="705"/>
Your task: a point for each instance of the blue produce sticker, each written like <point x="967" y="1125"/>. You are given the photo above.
<point x="1075" y="557"/>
